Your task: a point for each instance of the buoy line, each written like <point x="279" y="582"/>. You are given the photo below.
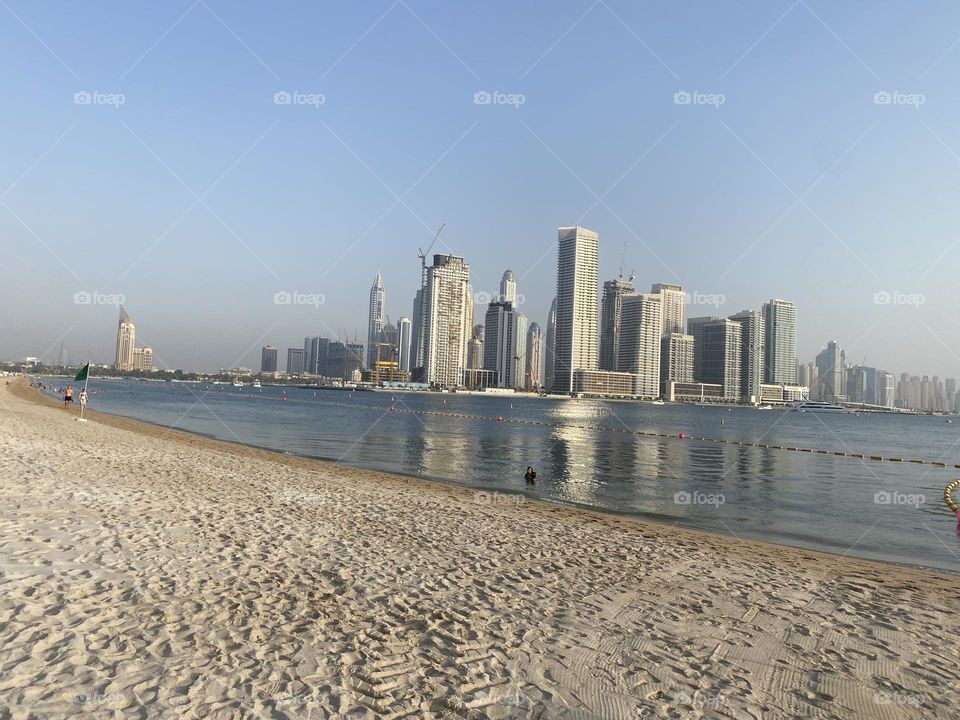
<point x="948" y="497"/>
<point x="679" y="436"/>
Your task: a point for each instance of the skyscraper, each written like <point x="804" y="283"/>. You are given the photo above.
<point x="549" y="349"/>
<point x="639" y="351"/>
<point x="752" y="346"/>
<point x="520" y="351"/>
<point x="676" y="360"/>
<point x="717" y="352"/>
<point x="268" y="359"/>
<point x="576" y="325"/>
<point x="375" y="320"/>
<point x="610" y="309"/>
<point x="673" y="307"/>
<point x="500" y="349"/>
<point x="694" y="326"/>
<point x="830" y="362"/>
<point x="508" y="288"/>
<point x="404" y="343"/>
<point x="126" y="342"/>
<point x="780" y="343"/>
<point x="445" y="328"/>
<point x="534" y="379"/>
<point x="294" y="361"/>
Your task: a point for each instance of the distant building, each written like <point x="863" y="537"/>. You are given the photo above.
<point x="294" y="361"/>
<point x="676" y="360"/>
<point x="549" y="346"/>
<point x="830" y="362"/>
<point x="610" y="307"/>
<point x="534" y="371"/>
<point x="405" y="344"/>
<point x="603" y="383"/>
<point x="268" y="359"/>
<point x="753" y="337"/>
<point x="780" y="342"/>
<point x="143" y="359"/>
<point x="508" y="288"/>
<point x="673" y="302"/>
<point x="126" y="341"/>
<point x="375" y="320"/>
<point x="315" y="351"/>
<point x="576" y="324"/>
<point x="639" y="345"/>
<point x="446" y="325"/>
<point x="886" y="389"/>
<point x="717" y="353"/>
<point x="500" y="349"/>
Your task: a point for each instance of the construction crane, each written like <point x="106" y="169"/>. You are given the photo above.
<point x="423" y="256"/>
<point x="623" y="256"/>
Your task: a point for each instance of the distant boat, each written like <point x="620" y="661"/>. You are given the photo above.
<point x="819" y="407"/>
<point x="765" y="407"/>
<point x="237" y="383"/>
<point x="256" y="384"/>
<point x="658" y="402"/>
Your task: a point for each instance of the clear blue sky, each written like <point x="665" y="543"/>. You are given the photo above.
<point x="798" y="186"/>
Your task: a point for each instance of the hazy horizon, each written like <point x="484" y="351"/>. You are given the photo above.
<point x="197" y="158"/>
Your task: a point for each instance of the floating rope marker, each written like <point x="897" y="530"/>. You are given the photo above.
<point x="948" y="497"/>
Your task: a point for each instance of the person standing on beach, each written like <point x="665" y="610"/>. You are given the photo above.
<point x="83" y="400"/>
<point x="68" y="396"/>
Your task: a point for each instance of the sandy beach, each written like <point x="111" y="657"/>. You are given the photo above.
<point x="148" y="573"/>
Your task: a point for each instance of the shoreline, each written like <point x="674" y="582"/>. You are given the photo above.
<point x="151" y="429"/>
<point x="189" y="577"/>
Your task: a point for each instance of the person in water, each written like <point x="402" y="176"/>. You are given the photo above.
<point x="531" y="475"/>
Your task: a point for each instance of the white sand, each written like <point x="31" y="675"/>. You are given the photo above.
<point x="151" y="574"/>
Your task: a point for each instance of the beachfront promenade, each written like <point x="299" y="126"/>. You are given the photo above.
<point x="149" y="573"/>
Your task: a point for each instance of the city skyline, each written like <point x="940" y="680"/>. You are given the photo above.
<point x="189" y="169"/>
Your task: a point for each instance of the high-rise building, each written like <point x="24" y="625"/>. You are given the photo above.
<point x="886" y="389"/>
<point x="639" y="346"/>
<point x="576" y="338"/>
<point x="676" y="360"/>
<point x="807" y="377"/>
<point x="500" y="345"/>
<point x="418" y="336"/>
<point x="375" y="319"/>
<point x="673" y="304"/>
<point x="610" y="308"/>
<point x="315" y="351"/>
<point x="830" y="362"/>
<point x="268" y="359"/>
<point x="126" y="342"/>
<point x="534" y="377"/>
<point x="752" y="345"/>
<point x="549" y="349"/>
<point x="780" y="343"/>
<point x="694" y="325"/>
<point x="717" y="353"/>
<point x="143" y="359"/>
<point x="508" y="288"/>
<point x="446" y="329"/>
<point x="404" y="343"/>
<point x="294" y="361"/>
<point x="520" y="351"/>
<point x="856" y="383"/>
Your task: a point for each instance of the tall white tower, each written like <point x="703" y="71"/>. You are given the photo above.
<point x="446" y="325"/>
<point x="576" y="342"/>
<point x="126" y="342"/>
<point x="508" y="288"/>
<point x="375" y="322"/>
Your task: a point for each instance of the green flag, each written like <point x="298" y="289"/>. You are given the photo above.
<point x="82" y="375"/>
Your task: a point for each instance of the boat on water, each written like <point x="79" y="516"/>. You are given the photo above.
<point x="819" y="407"/>
<point x="237" y="383"/>
<point x="657" y="402"/>
<point x="764" y="407"/>
<point x="256" y="384"/>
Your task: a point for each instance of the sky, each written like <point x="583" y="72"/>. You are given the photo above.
<point x="196" y="158"/>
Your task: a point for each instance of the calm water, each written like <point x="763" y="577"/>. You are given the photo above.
<point x="808" y="500"/>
